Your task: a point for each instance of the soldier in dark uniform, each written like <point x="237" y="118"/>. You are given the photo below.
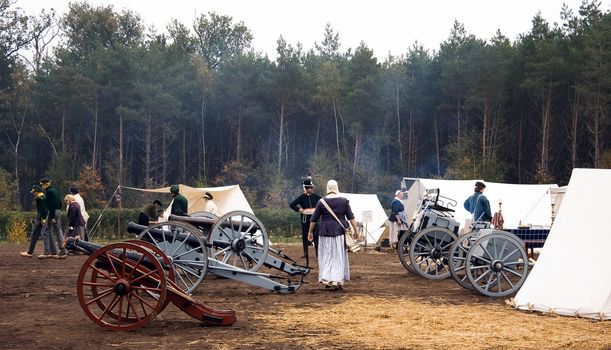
<point x="180" y="204"/>
<point x="53" y="202"/>
<point x="304" y="205"/>
<point x="41" y="218"/>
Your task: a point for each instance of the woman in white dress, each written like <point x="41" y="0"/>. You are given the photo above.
<point x="333" y="264"/>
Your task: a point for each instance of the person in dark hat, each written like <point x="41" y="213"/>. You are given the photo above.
<point x="210" y="206"/>
<point x="41" y="214"/>
<point x="149" y="213"/>
<point x="180" y="204"/>
<point x="53" y="203"/>
<point x="478" y="205"/>
<point x="304" y="205"/>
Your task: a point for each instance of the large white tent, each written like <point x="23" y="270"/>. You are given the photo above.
<point x="521" y="204"/>
<point x="227" y="198"/>
<point x="368" y="211"/>
<point x="572" y="275"/>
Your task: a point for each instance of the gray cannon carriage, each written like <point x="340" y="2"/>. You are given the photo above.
<point x="424" y="248"/>
<point x="234" y="246"/>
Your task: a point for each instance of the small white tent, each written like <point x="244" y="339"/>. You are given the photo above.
<point x="226" y="198"/>
<point x="525" y="204"/>
<point x="368" y="211"/>
<point x="572" y="275"/>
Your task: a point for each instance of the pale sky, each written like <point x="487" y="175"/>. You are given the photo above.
<point x="384" y="25"/>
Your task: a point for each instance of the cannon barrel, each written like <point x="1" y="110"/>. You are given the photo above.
<point x="157" y="233"/>
<point x="79" y="245"/>
<point x="206" y="223"/>
<point x="89" y="248"/>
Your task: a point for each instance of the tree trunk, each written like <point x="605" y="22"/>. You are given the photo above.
<point x="183" y="168"/>
<point x="485" y="133"/>
<point x="437" y="148"/>
<point x="121" y="131"/>
<point x="598" y="115"/>
<point x="520" y="150"/>
<point x="238" y="143"/>
<point x="545" y="128"/>
<point x="574" y="125"/>
<point x="203" y="120"/>
<point x="281" y="133"/>
<point x="148" y="141"/>
<point x="458" y="120"/>
<point x="317" y="136"/>
<point x="164" y="156"/>
<point x="398" y="111"/>
<point x="63" y="129"/>
<point x="339" y="158"/>
<point x="494" y="129"/>
<point x="357" y="146"/>
<point x="94" y="152"/>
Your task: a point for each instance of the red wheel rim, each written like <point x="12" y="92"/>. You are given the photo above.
<point x="122" y="293"/>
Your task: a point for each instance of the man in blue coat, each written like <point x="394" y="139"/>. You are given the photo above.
<point x="478" y="205"/>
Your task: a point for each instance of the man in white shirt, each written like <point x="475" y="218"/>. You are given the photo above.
<point x="210" y="206"/>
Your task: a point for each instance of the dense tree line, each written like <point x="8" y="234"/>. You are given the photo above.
<point x="116" y="102"/>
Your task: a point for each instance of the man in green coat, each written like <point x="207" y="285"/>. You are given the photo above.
<point x="180" y="204"/>
<point x="53" y="230"/>
<point x="39" y="225"/>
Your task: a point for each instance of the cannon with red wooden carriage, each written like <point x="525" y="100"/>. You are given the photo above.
<point x="123" y="286"/>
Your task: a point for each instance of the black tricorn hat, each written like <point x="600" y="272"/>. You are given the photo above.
<point x="480" y="184"/>
<point x="208" y="195"/>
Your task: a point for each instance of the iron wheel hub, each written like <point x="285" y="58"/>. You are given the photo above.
<point x="496" y="265"/>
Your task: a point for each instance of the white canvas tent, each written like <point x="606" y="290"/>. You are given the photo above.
<point x="368" y="206"/>
<point x="227" y="198"/>
<point x="521" y="204"/>
<point x="572" y="275"/>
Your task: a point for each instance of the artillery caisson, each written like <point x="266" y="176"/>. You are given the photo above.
<point x="424" y="248"/>
<point x="123" y="286"/>
<point x="234" y="246"/>
<point x="492" y="262"/>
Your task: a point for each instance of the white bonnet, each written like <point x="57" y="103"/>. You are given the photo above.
<point x="332" y="187"/>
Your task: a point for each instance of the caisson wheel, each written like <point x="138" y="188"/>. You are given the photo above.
<point x="497" y="264"/>
<point x="429" y="252"/>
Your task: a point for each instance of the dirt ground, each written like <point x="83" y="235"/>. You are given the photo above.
<point x="383" y="307"/>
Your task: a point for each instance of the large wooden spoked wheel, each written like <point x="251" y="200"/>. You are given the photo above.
<point x="96" y="291"/>
<point x="238" y="238"/>
<point x="403" y="251"/>
<point x="429" y="252"/>
<point x="497" y="264"/>
<point x="122" y="286"/>
<point x="458" y="256"/>
<point x="183" y="244"/>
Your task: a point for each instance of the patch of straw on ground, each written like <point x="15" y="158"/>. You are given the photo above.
<point x="398" y="323"/>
